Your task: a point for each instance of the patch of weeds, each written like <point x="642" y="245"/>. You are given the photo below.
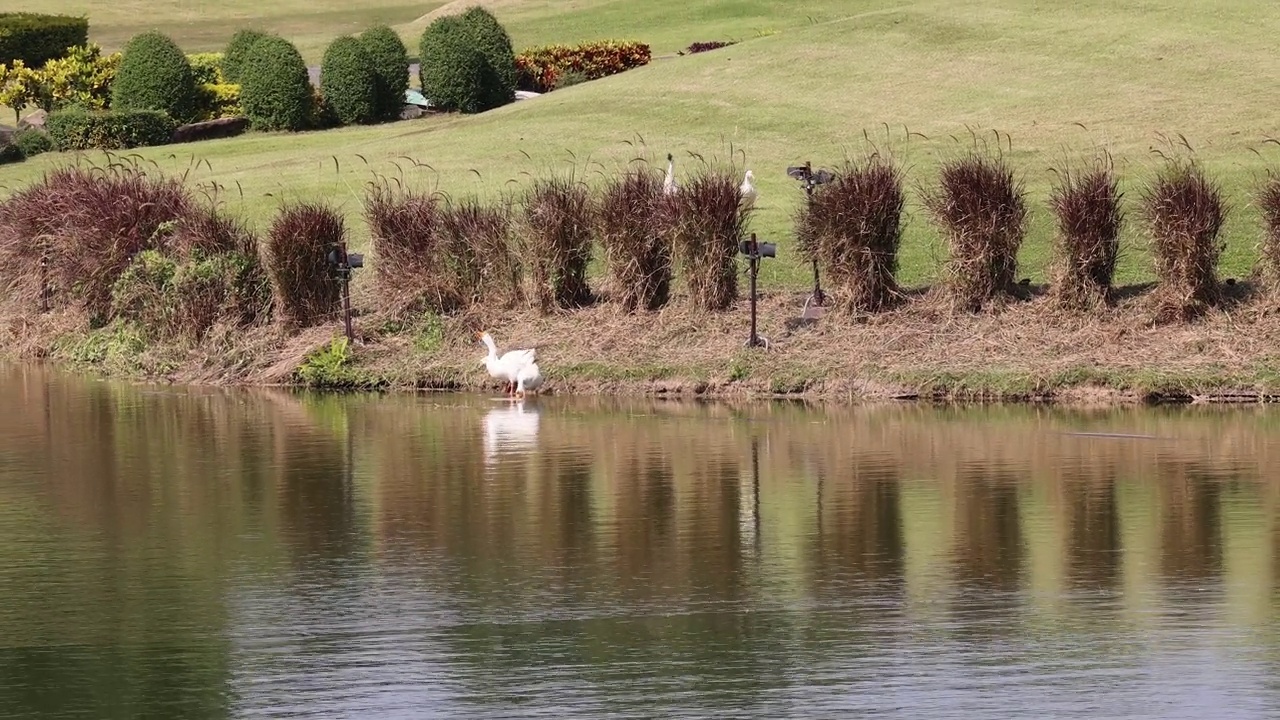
<point x="791" y="381"/>
<point x="739" y="369"/>
<point x="429" y="336"/>
<point x="603" y="372"/>
<point x="332" y="366"/>
<point x="117" y="347"/>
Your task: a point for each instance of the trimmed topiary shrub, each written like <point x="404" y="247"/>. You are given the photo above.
<point x="36" y="39"/>
<point x="75" y="129"/>
<point x="455" y="75"/>
<point x="155" y="75"/>
<point x="348" y="82"/>
<point x="237" y="50"/>
<point x="391" y="64"/>
<point x="491" y="39"/>
<point x="275" y="90"/>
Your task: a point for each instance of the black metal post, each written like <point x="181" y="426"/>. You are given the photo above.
<point x="818" y="298"/>
<point x="344" y="271"/>
<point x="753" y="268"/>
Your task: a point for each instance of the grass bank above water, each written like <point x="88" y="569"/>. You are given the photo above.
<point x="1026" y="351"/>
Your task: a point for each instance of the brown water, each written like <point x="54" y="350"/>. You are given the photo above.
<point x="201" y="553"/>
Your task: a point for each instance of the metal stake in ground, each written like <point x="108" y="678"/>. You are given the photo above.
<point x="342" y="263"/>
<point x="754" y="251"/>
<point x="804" y="173"/>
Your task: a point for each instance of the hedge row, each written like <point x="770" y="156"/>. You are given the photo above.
<point x="35" y="39"/>
<point x="110" y="130"/>
<point x="541" y="69"/>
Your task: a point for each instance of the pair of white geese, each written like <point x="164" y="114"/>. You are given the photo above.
<point x="747" y="189"/>
<point x="517" y="368"/>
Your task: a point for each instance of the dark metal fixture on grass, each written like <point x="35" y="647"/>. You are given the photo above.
<point x="342" y="263"/>
<point x="805" y="174"/>
<point x="755" y="250"/>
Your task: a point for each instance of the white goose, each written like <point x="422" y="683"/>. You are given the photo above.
<point x="669" y="186"/>
<point x="748" y="190"/>
<point x="508" y="366"/>
<point x="528" y="379"/>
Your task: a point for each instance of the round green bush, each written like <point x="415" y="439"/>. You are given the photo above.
<point x="391" y="63"/>
<point x="32" y="142"/>
<point x="455" y="75"/>
<point x="275" y="90"/>
<point x="237" y="49"/>
<point x="492" y="41"/>
<point x="349" y="82"/>
<point x="155" y="75"/>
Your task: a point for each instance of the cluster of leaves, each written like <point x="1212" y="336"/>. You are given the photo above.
<point x="35" y="39"/>
<point x="19" y="86"/>
<point x="542" y="69"/>
<point x="78" y="129"/>
<point x="81" y="77"/>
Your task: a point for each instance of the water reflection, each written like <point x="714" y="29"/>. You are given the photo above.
<point x="205" y="553"/>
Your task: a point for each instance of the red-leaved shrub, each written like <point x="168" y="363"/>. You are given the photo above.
<point x="539" y="69"/>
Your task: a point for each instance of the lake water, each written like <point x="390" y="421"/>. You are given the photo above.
<point x="211" y="553"/>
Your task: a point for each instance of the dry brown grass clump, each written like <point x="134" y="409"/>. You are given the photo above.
<point x="1184" y="211"/>
<point x="981" y="209"/>
<point x="81" y="227"/>
<point x="406" y="229"/>
<point x="708" y="221"/>
<point x="556" y="235"/>
<point x="303" y="288"/>
<point x="1269" y="255"/>
<point x="632" y="222"/>
<point x="853" y="228"/>
<point x="484" y="261"/>
<point x="1087" y="245"/>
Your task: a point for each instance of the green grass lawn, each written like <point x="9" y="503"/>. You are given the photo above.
<point x="807" y="81"/>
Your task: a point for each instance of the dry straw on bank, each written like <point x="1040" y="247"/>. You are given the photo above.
<point x="981" y="209"/>
<point x="1269" y="251"/>
<point x="853" y="229"/>
<point x="632" y="221"/>
<point x="556" y="230"/>
<point x="1184" y="212"/>
<point x="303" y="288"/>
<point x="1087" y="245"/>
<point x="708" y="221"/>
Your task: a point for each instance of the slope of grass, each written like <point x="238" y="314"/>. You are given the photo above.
<point x="1059" y="81"/>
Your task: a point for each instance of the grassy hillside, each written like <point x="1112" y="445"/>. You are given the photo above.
<point x="806" y="82"/>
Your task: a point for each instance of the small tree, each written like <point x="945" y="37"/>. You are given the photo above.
<point x="390" y="61"/>
<point x="19" y="87"/>
<point x="349" y="82"/>
<point x="275" y="89"/>
<point x="154" y="74"/>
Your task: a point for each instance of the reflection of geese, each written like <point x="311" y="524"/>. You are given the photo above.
<point x="510" y="428"/>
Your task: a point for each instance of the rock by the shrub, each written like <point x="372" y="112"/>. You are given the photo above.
<point x="7" y="133"/>
<point x="36" y="120"/>
<point x="211" y="129"/>
<point x="408" y="112"/>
